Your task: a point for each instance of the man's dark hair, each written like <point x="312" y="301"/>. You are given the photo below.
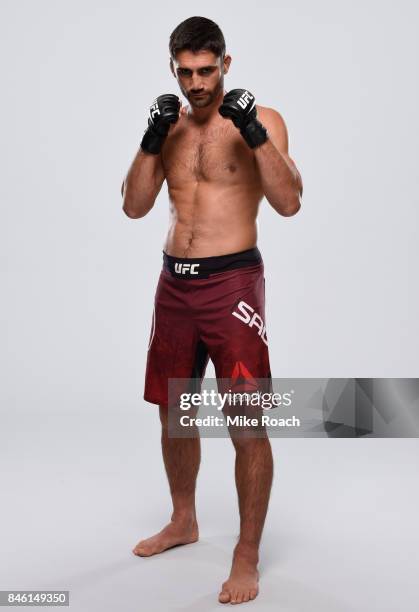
<point x="197" y="34"/>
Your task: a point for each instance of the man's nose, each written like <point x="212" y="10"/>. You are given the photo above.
<point x="196" y="83"/>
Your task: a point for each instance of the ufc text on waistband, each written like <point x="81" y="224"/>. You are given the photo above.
<point x="203" y="267"/>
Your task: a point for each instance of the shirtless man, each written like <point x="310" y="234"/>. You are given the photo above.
<point x="219" y="155"/>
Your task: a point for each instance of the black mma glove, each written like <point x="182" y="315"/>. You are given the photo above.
<point x="240" y="106"/>
<point x="163" y="112"/>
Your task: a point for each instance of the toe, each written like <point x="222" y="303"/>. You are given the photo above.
<point x="253" y="593"/>
<point x="142" y="551"/>
<point x="224" y="596"/>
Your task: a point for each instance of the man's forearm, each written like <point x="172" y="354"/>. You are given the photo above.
<point x="281" y="180"/>
<point x="142" y="184"/>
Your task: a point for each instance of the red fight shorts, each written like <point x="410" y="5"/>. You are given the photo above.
<point x="211" y="307"/>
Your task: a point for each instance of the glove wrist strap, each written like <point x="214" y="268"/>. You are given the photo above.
<point x="254" y="133"/>
<point x="152" y="142"/>
<point x="154" y="137"/>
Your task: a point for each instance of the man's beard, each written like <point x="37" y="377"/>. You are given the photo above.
<point x="206" y="100"/>
<point x="207" y="97"/>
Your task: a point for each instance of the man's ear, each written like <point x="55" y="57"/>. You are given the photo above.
<point x="226" y="63"/>
<point x="172" y="68"/>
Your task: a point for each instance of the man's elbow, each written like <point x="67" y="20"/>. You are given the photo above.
<point x="135" y="207"/>
<point x="293" y="203"/>
<point x="134" y="212"/>
<point x="131" y="212"/>
<point x="291" y="208"/>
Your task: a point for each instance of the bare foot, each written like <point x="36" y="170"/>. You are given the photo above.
<point x="242" y="584"/>
<point x="174" y="534"/>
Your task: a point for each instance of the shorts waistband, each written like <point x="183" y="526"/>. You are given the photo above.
<point x="203" y="267"/>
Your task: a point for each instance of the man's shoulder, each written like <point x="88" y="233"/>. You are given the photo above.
<point x="269" y="114"/>
<point x="273" y="121"/>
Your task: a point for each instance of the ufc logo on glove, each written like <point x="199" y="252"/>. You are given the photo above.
<point x="244" y="99"/>
<point x="154" y="110"/>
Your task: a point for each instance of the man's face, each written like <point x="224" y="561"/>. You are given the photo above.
<point x="200" y="75"/>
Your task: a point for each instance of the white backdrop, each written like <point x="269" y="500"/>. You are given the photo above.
<point x="78" y="277"/>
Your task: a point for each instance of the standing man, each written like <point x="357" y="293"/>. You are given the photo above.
<point x="220" y="155"/>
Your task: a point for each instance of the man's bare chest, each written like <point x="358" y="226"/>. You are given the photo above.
<point x="218" y="153"/>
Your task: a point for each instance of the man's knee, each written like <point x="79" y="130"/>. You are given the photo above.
<point x="250" y="444"/>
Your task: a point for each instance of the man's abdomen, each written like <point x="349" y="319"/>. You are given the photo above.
<point x="209" y="222"/>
